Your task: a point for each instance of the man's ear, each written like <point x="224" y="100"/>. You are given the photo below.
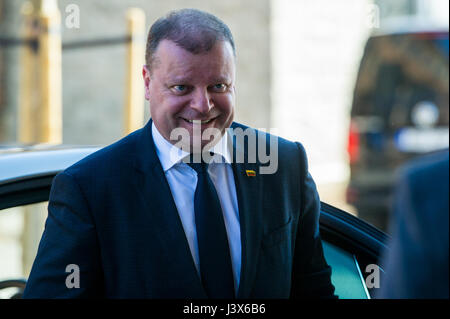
<point x="146" y="76"/>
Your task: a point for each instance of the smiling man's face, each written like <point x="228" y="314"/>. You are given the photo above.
<point x="186" y="89"/>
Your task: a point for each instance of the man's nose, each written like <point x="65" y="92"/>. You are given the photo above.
<point x="201" y="101"/>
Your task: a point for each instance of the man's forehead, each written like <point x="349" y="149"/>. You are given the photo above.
<point x="181" y="64"/>
<point x="190" y="75"/>
<point x="167" y="45"/>
<point x="188" y="78"/>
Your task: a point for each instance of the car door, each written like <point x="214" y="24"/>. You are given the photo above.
<point x="353" y="249"/>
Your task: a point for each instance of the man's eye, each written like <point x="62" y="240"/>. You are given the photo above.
<point x="220" y="87"/>
<point x="179" y="88"/>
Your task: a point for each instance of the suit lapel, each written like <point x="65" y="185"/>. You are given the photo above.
<point x="155" y="192"/>
<point x="165" y="220"/>
<point x="249" y="192"/>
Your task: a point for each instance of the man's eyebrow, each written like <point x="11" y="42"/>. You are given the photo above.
<point x="187" y="79"/>
<point x="222" y="80"/>
<point x="179" y="79"/>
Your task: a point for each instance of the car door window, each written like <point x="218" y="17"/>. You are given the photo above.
<point x="20" y="232"/>
<point x="346" y="274"/>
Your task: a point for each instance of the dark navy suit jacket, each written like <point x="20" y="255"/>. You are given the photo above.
<point x="416" y="265"/>
<point x="112" y="214"/>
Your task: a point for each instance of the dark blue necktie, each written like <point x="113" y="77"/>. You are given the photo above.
<point x="215" y="262"/>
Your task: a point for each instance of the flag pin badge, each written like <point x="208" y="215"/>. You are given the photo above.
<point x="250" y="173"/>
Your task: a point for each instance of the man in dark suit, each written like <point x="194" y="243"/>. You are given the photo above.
<point x="142" y="218"/>
<point x="416" y="264"/>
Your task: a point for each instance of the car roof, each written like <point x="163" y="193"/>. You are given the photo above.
<point x="19" y="162"/>
<point x="407" y="25"/>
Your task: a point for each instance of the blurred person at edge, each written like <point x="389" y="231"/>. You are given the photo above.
<point x="141" y="223"/>
<point x="416" y="264"/>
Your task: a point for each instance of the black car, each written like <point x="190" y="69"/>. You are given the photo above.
<point x="400" y="110"/>
<point x="352" y="247"/>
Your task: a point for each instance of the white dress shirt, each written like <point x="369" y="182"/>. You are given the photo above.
<point x="182" y="180"/>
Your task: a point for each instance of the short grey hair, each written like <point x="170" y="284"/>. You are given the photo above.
<point x="193" y="30"/>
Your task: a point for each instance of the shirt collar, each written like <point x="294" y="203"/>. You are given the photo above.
<point x="170" y="155"/>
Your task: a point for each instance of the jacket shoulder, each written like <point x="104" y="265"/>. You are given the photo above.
<point x="286" y="156"/>
<point x="285" y="145"/>
<point x="119" y="154"/>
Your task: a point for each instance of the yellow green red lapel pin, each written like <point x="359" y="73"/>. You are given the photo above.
<point x="250" y="173"/>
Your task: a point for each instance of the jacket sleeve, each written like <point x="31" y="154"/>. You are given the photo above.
<point x="311" y="275"/>
<point x="67" y="264"/>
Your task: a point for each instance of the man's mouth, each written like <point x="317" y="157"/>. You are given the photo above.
<point x="197" y="122"/>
